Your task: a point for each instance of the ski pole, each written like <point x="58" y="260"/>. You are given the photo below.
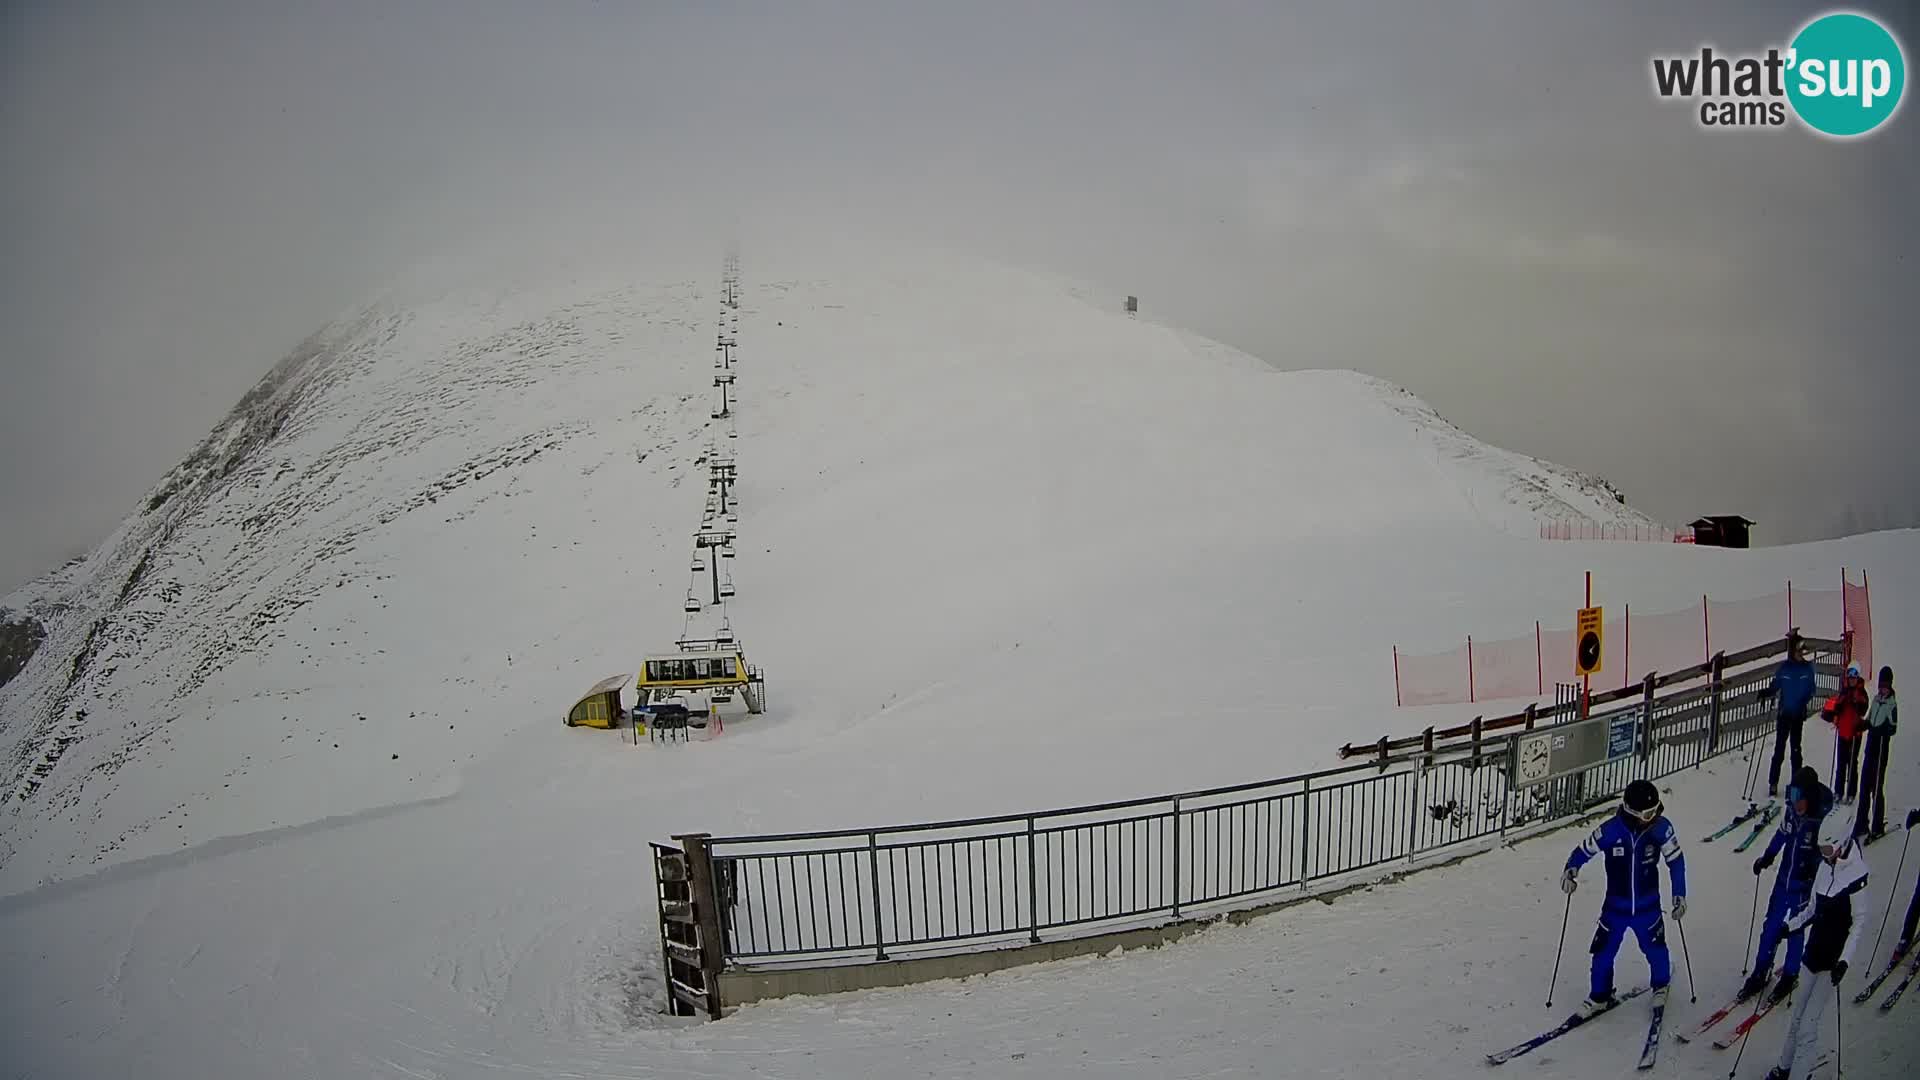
<point x="1744" y="1039"/>
<point x="1560" y="951"/>
<point x="1839" y="1067"/>
<point x="1692" y="989"/>
<point x="1753" y="918"/>
<point x="1875" y="955"/>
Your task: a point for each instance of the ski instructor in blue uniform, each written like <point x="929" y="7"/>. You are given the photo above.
<point x="1797" y="846"/>
<point x="1633" y="842"/>
<point x="1793" y="687"/>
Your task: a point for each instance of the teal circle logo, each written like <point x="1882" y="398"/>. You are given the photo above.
<point x="1847" y="74"/>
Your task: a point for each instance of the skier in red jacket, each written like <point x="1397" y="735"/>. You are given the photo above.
<point x="1847" y="712"/>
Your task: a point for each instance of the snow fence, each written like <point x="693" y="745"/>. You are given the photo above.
<point x="858" y="899"/>
<point x="1637" y="642"/>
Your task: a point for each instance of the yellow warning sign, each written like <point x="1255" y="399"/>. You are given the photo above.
<point x="1588" y="642"/>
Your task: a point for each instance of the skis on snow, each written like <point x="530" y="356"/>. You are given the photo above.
<point x="1900" y="987"/>
<point x="1752" y="811"/>
<point x="1758" y="828"/>
<point x="1893" y="965"/>
<point x="1740" y="1030"/>
<point x="1710" y="1022"/>
<point x="1571" y="1022"/>
<point x="1651" y="1048"/>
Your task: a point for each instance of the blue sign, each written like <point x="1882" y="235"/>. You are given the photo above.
<point x="1620" y="736"/>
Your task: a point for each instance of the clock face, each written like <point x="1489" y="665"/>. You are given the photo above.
<point x="1534" y="754"/>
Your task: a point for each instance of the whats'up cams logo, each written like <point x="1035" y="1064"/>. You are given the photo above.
<point x="1842" y="75"/>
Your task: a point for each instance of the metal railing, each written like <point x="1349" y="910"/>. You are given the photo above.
<point x="958" y="886"/>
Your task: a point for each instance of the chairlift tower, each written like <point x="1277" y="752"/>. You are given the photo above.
<point x="721" y="542"/>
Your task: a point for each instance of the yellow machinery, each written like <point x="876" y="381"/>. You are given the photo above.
<point x="600" y="707"/>
<point x="706" y="666"/>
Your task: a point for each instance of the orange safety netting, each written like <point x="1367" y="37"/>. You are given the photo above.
<point x="1859" y="615"/>
<point x="1636" y="644"/>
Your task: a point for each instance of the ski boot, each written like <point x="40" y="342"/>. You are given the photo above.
<point x="1593" y="1006"/>
<point x="1776" y="1073"/>
<point x="1753" y="986"/>
<point x="1783" y="990"/>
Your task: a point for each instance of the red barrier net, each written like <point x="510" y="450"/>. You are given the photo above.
<point x="1636" y="644"/>
<point x="1595" y="530"/>
<point x="1859" y="615"/>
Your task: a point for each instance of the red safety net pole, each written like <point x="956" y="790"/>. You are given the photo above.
<point x="1627" y="664"/>
<point x="1789" y="605"/>
<point x="1846" y="637"/>
<point x="1586" y="681"/>
<point x="1396" y="676"/>
<point x="1539" y="662"/>
<point x="1866" y="601"/>
<point x="1470" y="696"/>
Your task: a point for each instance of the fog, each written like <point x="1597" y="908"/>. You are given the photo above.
<point x="1482" y="201"/>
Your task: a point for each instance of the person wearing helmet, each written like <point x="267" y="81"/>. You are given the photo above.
<point x="1793" y="687"/>
<point x="1847" y="712"/>
<point x="1808" y="804"/>
<point x="1633" y="842"/>
<point x="1883" y="716"/>
<point x="1827" y="918"/>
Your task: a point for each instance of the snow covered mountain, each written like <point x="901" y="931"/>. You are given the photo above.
<point x="430" y="522"/>
<point x="288" y="793"/>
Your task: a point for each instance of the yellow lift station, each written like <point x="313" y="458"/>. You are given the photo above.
<point x="723" y="669"/>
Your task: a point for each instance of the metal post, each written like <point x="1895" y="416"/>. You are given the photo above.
<point x="1306" y="797"/>
<point x="873" y="870"/>
<point x="1033" y="885"/>
<point x="1713" y="709"/>
<point x="706" y="913"/>
<point x="1413" y="818"/>
<point x="1176" y="856"/>
<point x="1646" y="720"/>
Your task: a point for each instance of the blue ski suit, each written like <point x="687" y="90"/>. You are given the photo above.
<point x="1797" y="844"/>
<point x="1793" y="682"/>
<point x="1633" y="853"/>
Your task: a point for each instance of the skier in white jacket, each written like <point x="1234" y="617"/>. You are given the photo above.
<point x="1833" y="931"/>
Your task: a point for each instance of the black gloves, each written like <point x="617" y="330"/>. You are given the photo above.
<point x="1839" y="972"/>
<point x="1913" y="818"/>
<point x="1760" y="864"/>
<point x="1767" y="694"/>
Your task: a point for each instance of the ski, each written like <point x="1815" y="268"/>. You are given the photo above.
<point x="1752" y="811"/>
<point x="1566" y="1025"/>
<point x="1901" y="986"/>
<point x="1651" y="1048"/>
<point x="1758" y="828"/>
<point x="1878" y="980"/>
<point x="1870" y="839"/>
<point x="1712" y="1021"/>
<point x="1746" y="1025"/>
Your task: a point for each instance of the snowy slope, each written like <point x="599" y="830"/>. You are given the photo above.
<point x="1001" y="549"/>
<point x="437" y="521"/>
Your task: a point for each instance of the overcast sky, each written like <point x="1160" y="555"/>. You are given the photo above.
<point x="1478" y="199"/>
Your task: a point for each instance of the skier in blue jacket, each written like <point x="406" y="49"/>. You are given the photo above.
<point x="1633" y="842"/>
<point x="1793" y="687"/>
<point x="1797" y="844"/>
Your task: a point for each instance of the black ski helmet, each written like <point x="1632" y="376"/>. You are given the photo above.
<point x="1642" y="800"/>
